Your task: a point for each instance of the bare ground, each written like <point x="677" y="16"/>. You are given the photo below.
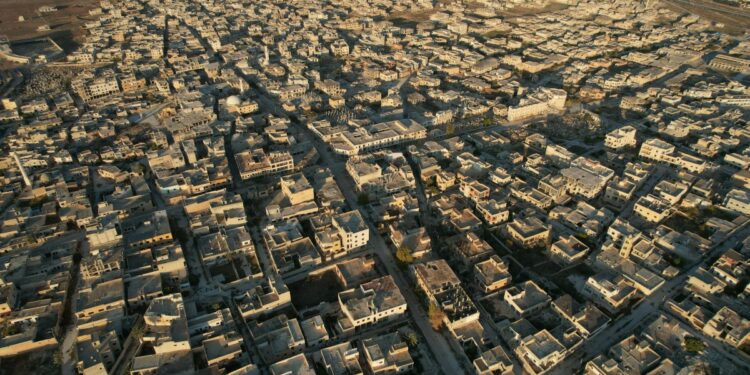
<point x="65" y="24"/>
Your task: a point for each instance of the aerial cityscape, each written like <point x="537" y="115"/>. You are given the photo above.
<point x="343" y="187"/>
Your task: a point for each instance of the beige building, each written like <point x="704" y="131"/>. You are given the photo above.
<point x="352" y="230"/>
<point x="569" y="250"/>
<point x="371" y="303"/>
<point x="621" y="138"/>
<point x="538" y="103"/>
<point x="386" y="354"/>
<point x="492" y="274"/>
<point x="529" y="231"/>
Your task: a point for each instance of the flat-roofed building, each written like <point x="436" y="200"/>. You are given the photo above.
<point x="434" y="277"/>
<point x="492" y="274"/>
<point x="352" y="229"/>
<point x="371" y="303"/>
<point x="738" y="200"/>
<point x="540" y="351"/>
<point x="730" y="64"/>
<point x="528" y="231"/>
<point x="341" y="359"/>
<point x="526" y="298"/>
<point x="569" y="249"/>
<point x="621" y="138"/>
<point x="612" y="293"/>
<point x="297" y="365"/>
<point x="386" y="354"/>
<point x="493" y="361"/>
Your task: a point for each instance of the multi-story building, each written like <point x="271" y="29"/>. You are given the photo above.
<point x="538" y="103"/>
<point x="370" y="303"/>
<point x="621" y="138"/>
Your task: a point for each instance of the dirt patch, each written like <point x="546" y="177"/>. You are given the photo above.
<point x="36" y="362"/>
<point x="526" y="11"/>
<point x="736" y="21"/>
<point x="315" y="289"/>
<point x="65" y="24"/>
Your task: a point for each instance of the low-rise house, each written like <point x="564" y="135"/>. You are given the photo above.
<point x="278" y="337"/>
<point x="586" y="318"/>
<point x="292" y="252"/>
<point x="493" y="361"/>
<point x="297" y="365"/>
<point x="569" y="250"/>
<point x="386" y="354"/>
<point x="314" y="330"/>
<point x="341" y="359"/>
<point x="528" y="231"/>
<point x="263" y="296"/>
<point x="540" y="351"/>
<point x="629" y="354"/>
<point x="492" y="274"/>
<point x="738" y="200"/>
<point x="469" y="248"/>
<point x="621" y="138"/>
<point x="730" y="267"/>
<point x="371" y="303"/>
<point x="526" y="298"/>
<point x="493" y="212"/>
<point x="416" y="240"/>
<point x="705" y="283"/>
<point x="435" y="277"/>
<point x="728" y="326"/>
<point x="223" y="349"/>
<point x="652" y="209"/>
<point x="611" y="293"/>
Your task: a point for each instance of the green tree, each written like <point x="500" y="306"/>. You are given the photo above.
<point x="193" y="279"/>
<point x="138" y="331"/>
<point x="363" y="199"/>
<point x="403" y="254"/>
<point x="694" y="345"/>
<point x="57" y="358"/>
<point x="410" y="338"/>
<point x="436" y="316"/>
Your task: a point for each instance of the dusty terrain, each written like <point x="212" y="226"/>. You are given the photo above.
<point x="736" y="21"/>
<point x="65" y="24"/>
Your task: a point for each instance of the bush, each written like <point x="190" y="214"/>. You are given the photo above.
<point x="694" y="345"/>
<point x="410" y="339"/>
<point x="436" y="316"/>
<point x="403" y="255"/>
<point x="363" y="199"/>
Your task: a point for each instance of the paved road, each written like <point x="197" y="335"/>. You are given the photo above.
<point x="436" y="342"/>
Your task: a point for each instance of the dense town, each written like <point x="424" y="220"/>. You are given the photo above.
<point x="378" y="186"/>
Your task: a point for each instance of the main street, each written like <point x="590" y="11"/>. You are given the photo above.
<point x="442" y="351"/>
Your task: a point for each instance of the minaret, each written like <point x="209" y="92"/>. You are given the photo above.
<point x="26" y="180"/>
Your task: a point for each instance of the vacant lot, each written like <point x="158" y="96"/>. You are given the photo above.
<point x="315" y="289"/>
<point x="65" y="24"/>
<point x="45" y="361"/>
<point x="521" y="11"/>
<point x="736" y="20"/>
